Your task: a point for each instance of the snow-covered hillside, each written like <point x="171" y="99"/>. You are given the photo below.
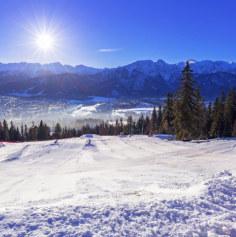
<point x="118" y="186"/>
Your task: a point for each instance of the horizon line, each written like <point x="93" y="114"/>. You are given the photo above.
<point x="122" y="65"/>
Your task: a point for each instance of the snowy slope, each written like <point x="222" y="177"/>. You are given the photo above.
<point x="118" y="186"/>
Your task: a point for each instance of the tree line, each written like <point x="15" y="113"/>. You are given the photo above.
<point x="184" y="115"/>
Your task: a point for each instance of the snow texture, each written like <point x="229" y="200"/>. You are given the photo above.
<point x="118" y="186"/>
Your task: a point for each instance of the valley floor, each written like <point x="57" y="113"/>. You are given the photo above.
<point x="118" y="186"/>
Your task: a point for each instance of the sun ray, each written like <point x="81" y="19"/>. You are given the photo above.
<point x="45" y="41"/>
<point x="45" y="38"/>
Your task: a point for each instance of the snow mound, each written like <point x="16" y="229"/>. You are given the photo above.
<point x="211" y="214"/>
<point x="17" y="155"/>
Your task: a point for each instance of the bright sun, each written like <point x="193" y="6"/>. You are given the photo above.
<point x="45" y="42"/>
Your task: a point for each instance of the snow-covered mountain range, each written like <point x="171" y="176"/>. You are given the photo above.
<point x="36" y="69"/>
<point x="144" y="78"/>
<point x="145" y="66"/>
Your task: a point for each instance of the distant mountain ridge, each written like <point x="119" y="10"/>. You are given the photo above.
<point x="144" y="78"/>
<point x="35" y="69"/>
<point x="145" y="66"/>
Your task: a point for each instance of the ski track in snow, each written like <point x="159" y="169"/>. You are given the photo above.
<point x="118" y="186"/>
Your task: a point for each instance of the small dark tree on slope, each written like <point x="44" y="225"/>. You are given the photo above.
<point x="154" y="119"/>
<point x="167" y="123"/>
<point x="58" y="131"/>
<point x="159" y="118"/>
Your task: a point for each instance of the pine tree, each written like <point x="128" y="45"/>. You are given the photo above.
<point x="46" y="132"/>
<point x="26" y="133"/>
<point x="1" y="132"/>
<point x="41" y="131"/>
<point x="130" y="125"/>
<point x="154" y="118"/>
<point x="201" y="121"/>
<point x="121" y="126"/>
<point x="147" y="126"/>
<point x="140" y="125"/>
<point x="229" y="113"/>
<point x="186" y="108"/>
<point x="58" y="131"/>
<point x="209" y="120"/>
<point x="12" y="132"/>
<point x="159" y="118"/>
<point x="33" y="133"/>
<point x="6" y="136"/>
<point x="22" y="133"/>
<point x="217" y="127"/>
<point x="18" y="136"/>
<point x="167" y="123"/>
<point x="234" y="129"/>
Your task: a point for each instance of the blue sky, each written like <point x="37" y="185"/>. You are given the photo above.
<point x="107" y="33"/>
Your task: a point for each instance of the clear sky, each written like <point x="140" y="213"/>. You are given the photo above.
<point x="107" y="33"/>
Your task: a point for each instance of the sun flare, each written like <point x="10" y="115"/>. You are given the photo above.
<point x="45" y="41"/>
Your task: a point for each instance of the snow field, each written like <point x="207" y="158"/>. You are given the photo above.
<point x="118" y="186"/>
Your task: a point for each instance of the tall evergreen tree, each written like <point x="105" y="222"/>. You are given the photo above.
<point x="186" y="107"/>
<point x="208" y="120"/>
<point x="234" y="129"/>
<point x="229" y="113"/>
<point x="201" y="115"/>
<point x="217" y="127"/>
